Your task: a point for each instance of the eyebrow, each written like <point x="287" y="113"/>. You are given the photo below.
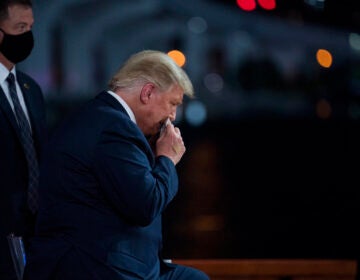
<point x="24" y="23"/>
<point x="18" y="24"/>
<point x="178" y="103"/>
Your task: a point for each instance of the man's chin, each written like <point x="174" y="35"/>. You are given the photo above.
<point x="152" y="136"/>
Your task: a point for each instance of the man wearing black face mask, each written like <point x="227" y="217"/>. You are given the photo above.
<point x="22" y="130"/>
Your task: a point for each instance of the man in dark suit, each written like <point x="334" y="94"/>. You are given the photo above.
<point x="108" y="175"/>
<point x="22" y="129"/>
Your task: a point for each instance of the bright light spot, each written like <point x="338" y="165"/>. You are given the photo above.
<point x="267" y="4"/>
<point x="246" y="5"/>
<point x="213" y="82"/>
<point x="197" y="25"/>
<point x="195" y="113"/>
<point x="323" y="109"/>
<point x="178" y="57"/>
<point x="324" y="58"/>
<point x="354" y="41"/>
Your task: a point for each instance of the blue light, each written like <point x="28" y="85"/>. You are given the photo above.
<point x="195" y="113"/>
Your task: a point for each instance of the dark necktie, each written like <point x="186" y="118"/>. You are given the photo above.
<point x="28" y="144"/>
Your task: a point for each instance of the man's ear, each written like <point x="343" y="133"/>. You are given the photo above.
<point x="146" y="92"/>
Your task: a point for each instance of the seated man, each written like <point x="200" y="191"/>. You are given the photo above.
<point x="108" y="175"/>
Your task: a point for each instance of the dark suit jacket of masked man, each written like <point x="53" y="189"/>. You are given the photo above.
<point x="14" y="213"/>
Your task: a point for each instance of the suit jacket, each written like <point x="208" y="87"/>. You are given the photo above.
<point x="102" y="194"/>
<point x="14" y="213"/>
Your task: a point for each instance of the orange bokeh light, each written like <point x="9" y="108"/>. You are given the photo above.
<point x="324" y="58"/>
<point x="178" y="57"/>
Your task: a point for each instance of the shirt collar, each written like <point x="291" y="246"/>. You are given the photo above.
<point x="124" y="104"/>
<point x="4" y="72"/>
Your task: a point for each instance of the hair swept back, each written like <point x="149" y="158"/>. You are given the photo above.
<point x="151" y="66"/>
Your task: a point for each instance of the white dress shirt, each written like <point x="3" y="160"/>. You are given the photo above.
<point x="123" y="103"/>
<point x="4" y="73"/>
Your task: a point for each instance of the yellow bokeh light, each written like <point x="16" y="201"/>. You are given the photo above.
<point x="178" y="57"/>
<point x="324" y="58"/>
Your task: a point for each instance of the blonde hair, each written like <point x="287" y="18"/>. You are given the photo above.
<point x="151" y="66"/>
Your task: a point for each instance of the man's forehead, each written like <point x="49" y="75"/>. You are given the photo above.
<point x="18" y="13"/>
<point x="178" y="95"/>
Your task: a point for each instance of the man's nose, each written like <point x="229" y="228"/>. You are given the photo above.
<point x="172" y="116"/>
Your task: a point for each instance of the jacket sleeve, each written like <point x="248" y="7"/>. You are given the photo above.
<point x="138" y="187"/>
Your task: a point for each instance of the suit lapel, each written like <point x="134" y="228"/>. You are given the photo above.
<point x="8" y="112"/>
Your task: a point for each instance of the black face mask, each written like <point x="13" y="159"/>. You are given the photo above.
<point x="17" y="47"/>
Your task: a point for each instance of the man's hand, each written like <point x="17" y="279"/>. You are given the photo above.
<point x="170" y="143"/>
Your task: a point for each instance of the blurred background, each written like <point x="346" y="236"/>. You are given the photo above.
<point x="271" y="169"/>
